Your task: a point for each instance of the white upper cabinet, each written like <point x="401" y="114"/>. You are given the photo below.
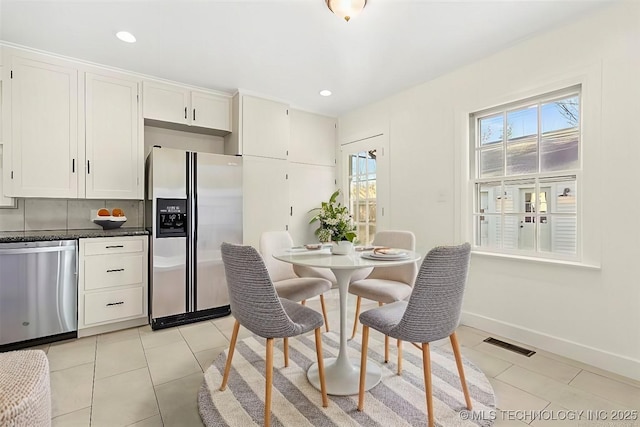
<point x="4" y="153"/>
<point x="75" y="130"/>
<point x="265" y="128"/>
<point x="210" y="111"/>
<point x="44" y="129"/>
<point x="114" y="162"/>
<point x="166" y="103"/>
<point x="313" y="138"/>
<point x="177" y="104"/>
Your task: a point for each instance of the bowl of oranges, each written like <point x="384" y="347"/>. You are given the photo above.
<point x="110" y="220"/>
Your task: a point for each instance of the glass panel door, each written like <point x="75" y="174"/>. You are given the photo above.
<point x="363" y="193"/>
<point x="365" y="171"/>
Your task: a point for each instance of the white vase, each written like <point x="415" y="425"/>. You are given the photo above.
<point x="343" y="247"/>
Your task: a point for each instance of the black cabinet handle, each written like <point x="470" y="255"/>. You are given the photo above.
<point x="115" y="303"/>
<point x="185" y="112"/>
<point x="114" y="246"/>
<point x="88" y="166"/>
<point x="73" y="165"/>
<point x="115" y="270"/>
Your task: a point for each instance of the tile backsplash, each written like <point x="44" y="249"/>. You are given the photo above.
<point x="63" y="214"/>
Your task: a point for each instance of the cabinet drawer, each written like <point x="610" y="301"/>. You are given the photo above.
<point x="115" y="246"/>
<point x="113" y="305"/>
<point x="112" y="270"/>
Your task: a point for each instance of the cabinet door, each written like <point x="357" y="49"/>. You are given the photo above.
<point x="210" y="111"/>
<point x="5" y="158"/>
<point x="309" y="186"/>
<point x="44" y="129"/>
<point x="266" y="197"/>
<point x="166" y="103"/>
<point x="313" y="138"/>
<point x="112" y="140"/>
<point x="265" y="128"/>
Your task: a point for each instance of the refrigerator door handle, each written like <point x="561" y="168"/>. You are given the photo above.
<point x="189" y="243"/>
<point x="194" y="245"/>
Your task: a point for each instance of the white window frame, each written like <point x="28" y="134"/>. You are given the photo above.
<point x="535" y="178"/>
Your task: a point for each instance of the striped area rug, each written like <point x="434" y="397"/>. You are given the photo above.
<point x="396" y="401"/>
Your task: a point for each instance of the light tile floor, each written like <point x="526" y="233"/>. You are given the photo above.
<point x="140" y="377"/>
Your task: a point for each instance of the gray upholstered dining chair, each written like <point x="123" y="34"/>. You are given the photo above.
<point x="386" y="284"/>
<point x="256" y="306"/>
<point x="287" y="283"/>
<point x="432" y="313"/>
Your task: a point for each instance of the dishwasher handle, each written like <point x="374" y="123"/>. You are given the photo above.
<point x="17" y="251"/>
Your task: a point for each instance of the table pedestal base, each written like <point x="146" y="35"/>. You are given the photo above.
<point x="344" y="379"/>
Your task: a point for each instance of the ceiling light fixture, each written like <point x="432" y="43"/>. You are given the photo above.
<point x="325" y="92"/>
<point x="126" y="36"/>
<point x="346" y="9"/>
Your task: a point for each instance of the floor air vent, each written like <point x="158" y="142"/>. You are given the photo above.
<point x="510" y="347"/>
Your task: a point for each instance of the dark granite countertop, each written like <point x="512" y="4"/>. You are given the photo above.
<point x="40" y="235"/>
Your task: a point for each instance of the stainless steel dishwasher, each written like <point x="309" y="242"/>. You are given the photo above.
<point x="38" y="292"/>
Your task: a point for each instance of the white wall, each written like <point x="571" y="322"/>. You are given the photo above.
<point x="589" y="314"/>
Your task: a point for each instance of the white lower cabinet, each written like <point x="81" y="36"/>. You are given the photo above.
<point x="111" y="306"/>
<point x="112" y="285"/>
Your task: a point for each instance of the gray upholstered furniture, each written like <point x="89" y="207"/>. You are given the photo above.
<point x="256" y="306"/>
<point x="432" y="313"/>
<point x="287" y="283"/>
<point x="25" y="392"/>
<point x="388" y="284"/>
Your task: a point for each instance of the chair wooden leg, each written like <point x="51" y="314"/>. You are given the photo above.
<point x="303" y="302"/>
<point x="399" y="357"/>
<point x="456" y="352"/>
<point x="386" y="349"/>
<point x="426" y="362"/>
<point x="363" y="366"/>
<point x="269" y="383"/>
<point x="286" y="352"/>
<point x="323" y="385"/>
<point x="232" y="348"/>
<point x="324" y="313"/>
<point x="355" y="321"/>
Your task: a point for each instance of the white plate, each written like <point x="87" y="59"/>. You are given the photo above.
<point x="388" y="252"/>
<point x="380" y="257"/>
<point x="297" y="249"/>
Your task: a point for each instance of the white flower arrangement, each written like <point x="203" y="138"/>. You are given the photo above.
<point x="335" y="222"/>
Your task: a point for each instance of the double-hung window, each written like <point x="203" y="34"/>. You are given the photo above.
<point x="526" y="173"/>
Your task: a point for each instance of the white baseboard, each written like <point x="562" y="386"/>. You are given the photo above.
<point x="621" y="365"/>
<point x="112" y="327"/>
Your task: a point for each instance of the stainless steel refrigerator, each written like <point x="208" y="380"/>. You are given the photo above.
<point x="193" y="204"/>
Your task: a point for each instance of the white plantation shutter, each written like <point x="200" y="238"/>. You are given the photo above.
<point x="564" y="228"/>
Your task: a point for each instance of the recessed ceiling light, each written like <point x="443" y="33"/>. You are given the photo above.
<point x="126" y="36"/>
<point x="325" y="92"/>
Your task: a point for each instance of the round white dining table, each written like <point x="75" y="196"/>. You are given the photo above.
<point x="342" y="374"/>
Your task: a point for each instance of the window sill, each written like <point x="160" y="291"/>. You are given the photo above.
<point x="548" y="261"/>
